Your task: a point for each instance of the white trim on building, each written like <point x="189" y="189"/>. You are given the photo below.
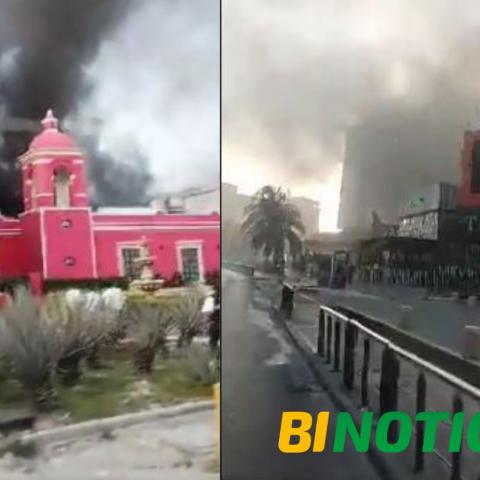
<point x="191" y="244"/>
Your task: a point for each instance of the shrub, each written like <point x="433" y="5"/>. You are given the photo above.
<point x="201" y="367"/>
<point x="176" y="280"/>
<point x="84" y="320"/>
<point x="150" y="320"/>
<point x="213" y="279"/>
<point x="31" y="344"/>
<point x="188" y="313"/>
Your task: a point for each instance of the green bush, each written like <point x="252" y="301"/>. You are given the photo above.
<point x="200" y="366"/>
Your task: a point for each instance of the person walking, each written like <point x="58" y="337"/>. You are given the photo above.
<point x="214" y="323"/>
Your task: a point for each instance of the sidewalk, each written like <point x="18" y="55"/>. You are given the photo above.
<point x="179" y="448"/>
<point x="303" y="328"/>
<point x="440" y="320"/>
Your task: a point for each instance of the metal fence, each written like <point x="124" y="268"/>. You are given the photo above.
<point x="385" y="369"/>
<point x="437" y="278"/>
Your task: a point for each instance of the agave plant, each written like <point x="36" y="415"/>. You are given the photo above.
<point x="115" y="315"/>
<point x="83" y="321"/>
<point x="107" y="308"/>
<point x="31" y="344"/>
<point x="201" y="367"/>
<point x="151" y="320"/>
<point x="188" y="312"/>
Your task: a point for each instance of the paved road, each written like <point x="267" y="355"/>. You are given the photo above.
<point x="263" y="375"/>
<point x="441" y="321"/>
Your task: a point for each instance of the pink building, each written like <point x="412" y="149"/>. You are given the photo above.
<point x="59" y="237"/>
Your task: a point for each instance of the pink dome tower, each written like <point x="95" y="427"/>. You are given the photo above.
<point x="53" y="169"/>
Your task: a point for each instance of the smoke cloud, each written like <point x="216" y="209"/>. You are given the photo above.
<point x="299" y="76"/>
<point x="132" y="80"/>
<point x="43" y="45"/>
<point x="155" y="96"/>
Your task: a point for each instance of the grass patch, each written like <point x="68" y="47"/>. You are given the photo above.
<point x="12" y="394"/>
<point x="120" y="389"/>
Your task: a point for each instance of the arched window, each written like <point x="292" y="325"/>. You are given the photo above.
<point x="475" y="178"/>
<point x="62" y="188"/>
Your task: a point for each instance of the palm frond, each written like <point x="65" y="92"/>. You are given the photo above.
<point x="271" y="221"/>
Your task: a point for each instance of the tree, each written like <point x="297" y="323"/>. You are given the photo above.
<point x="271" y="222"/>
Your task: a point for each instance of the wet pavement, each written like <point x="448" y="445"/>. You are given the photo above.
<point x="438" y="320"/>
<point x="262" y="376"/>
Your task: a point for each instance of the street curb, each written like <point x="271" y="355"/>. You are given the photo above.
<point x="105" y="425"/>
<point x="384" y="468"/>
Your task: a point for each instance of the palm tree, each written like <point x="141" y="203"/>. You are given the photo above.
<point x="271" y="222"/>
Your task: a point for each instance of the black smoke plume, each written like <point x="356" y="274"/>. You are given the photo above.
<point x="300" y="76"/>
<point x="140" y="75"/>
<point x="116" y="184"/>
<point x="44" y="44"/>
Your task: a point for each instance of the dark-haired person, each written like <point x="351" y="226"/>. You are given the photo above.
<point x="214" y="323"/>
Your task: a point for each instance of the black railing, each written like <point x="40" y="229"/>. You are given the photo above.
<point x="243" y="268"/>
<point x="346" y="340"/>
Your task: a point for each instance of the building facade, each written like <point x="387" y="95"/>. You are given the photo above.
<point x="202" y="201"/>
<point x="59" y="237"/>
<point x="310" y="212"/>
<point x="393" y="154"/>
<point x="437" y="243"/>
<point x="233" y="204"/>
<point x="428" y="211"/>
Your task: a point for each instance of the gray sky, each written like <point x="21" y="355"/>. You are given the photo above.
<point x="297" y="75"/>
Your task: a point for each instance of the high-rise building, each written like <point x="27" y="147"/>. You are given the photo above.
<point x="309" y="211"/>
<point x="233" y="203"/>
<point x="390" y="157"/>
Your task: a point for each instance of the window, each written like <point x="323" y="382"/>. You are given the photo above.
<point x="62" y="188"/>
<point x="190" y="264"/>
<point x="130" y="267"/>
